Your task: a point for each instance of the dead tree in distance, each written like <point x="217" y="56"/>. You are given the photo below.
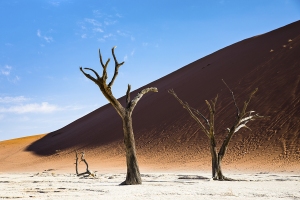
<point x="208" y="127"/>
<point x="87" y="172"/>
<point x="133" y="176"/>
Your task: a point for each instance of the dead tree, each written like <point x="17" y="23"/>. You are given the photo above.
<point x="133" y="176"/>
<point x="208" y="127"/>
<point x="87" y="172"/>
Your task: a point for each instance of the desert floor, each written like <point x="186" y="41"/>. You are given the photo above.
<point x="25" y="175"/>
<point x="178" y="185"/>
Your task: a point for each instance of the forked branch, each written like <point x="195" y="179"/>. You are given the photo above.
<point x="90" y="77"/>
<point x="117" y="66"/>
<point x="134" y="101"/>
<point x="102" y="80"/>
<point x="242" y="119"/>
<point x="104" y="73"/>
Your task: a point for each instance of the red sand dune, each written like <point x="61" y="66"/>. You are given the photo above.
<point x="168" y="138"/>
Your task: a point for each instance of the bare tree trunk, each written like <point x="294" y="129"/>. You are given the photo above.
<point x="216" y="162"/>
<point x="221" y="154"/>
<point x="133" y="176"/>
<point x="220" y="175"/>
<point x="214" y="158"/>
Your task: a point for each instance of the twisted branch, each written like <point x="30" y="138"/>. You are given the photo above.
<point x="87" y="172"/>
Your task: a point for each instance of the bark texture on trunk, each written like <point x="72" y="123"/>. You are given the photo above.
<point x="214" y="158"/>
<point x="133" y="176"/>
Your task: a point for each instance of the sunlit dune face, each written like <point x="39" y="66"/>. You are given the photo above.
<point x="22" y="140"/>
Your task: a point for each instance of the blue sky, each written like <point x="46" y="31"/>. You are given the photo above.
<point x="43" y="43"/>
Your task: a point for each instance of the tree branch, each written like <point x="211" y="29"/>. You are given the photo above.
<point x="188" y="108"/>
<point x="105" y="89"/>
<point x="211" y="118"/>
<point x="117" y="65"/>
<point x="242" y="120"/>
<point x="97" y="75"/>
<point x="139" y="96"/>
<point x="246" y="103"/>
<point x="128" y="96"/>
<point x="200" y="114"/>
<point x="214" y="103"/>
<point x="89" y="76"/>
<point x="237" y="108"/>
<point x="104" y="73"/>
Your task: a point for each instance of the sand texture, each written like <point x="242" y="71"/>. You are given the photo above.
<point x="50" y="185"/>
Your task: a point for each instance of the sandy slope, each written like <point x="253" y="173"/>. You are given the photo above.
<point x="166" y="136"/>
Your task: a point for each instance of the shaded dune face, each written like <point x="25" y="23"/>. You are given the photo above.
<point x="165" y="132"/>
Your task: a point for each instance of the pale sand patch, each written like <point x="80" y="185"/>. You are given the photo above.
<point x="178" y="185"/>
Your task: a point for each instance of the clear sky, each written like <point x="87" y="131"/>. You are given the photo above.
<point x="43" y="43"/>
